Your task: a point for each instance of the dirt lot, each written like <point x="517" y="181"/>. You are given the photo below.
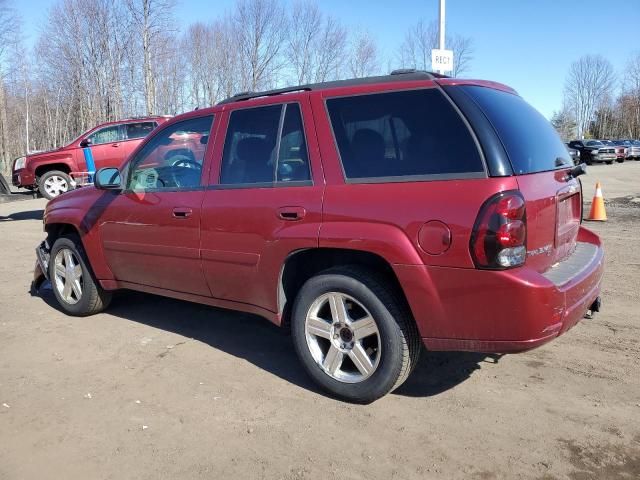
<point x="158" y="388"/>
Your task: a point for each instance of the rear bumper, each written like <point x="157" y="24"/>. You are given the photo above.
<point x="503" y="311"/>
<point x="23" y="178"/>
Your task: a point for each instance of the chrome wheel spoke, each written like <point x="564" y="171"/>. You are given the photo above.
<point x="333" y="359"/>
<point x="319" y="327"/>
<point x="77" y="271"/>
<point x="60" y="270"/>
<point x="364" y="327"/>
<point x="338" y="308"/>
<point x="77" y="289"/>
<point x="68" y="259"/>
<point x="66" y="290"/>
<point x="361" y="360"/>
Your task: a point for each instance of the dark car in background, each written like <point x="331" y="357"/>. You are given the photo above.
<point x="594" y="151"/>
<point x="575" y="154"/>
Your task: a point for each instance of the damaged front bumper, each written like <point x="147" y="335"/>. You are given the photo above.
<point x="41" y="270"/>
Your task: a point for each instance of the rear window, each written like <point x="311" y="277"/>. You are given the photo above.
<point x="415" y="133"/>
<point x="532" y="144"/>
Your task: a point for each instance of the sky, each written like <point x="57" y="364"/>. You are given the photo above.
<point x="526" y="44"/>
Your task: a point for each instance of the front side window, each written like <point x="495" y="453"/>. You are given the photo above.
<point x="265" y="145"/>
<point x="402" y="134"/>
<point x="107" y="135"/>
<point x="173" y="158"/>
<point x="139" y="129"/>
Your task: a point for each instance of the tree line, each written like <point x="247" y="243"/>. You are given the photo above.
<point x="598" y="102"/>
<point x="102" y="60"/>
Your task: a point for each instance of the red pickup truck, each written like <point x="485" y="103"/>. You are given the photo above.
<point x="51" y="172"/>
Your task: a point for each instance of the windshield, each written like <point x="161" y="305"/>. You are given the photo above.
<point x="594" y="143"/>
<point x="533" y="145"/>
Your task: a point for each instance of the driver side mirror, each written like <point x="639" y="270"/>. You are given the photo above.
<point x="108" y="179"/>
<point x="85" y="143"/>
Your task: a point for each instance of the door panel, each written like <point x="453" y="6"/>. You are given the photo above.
<point x="107" y="147"/>
<point x="249" y="229"/>
<point x="146" y="243"/>
<point x="245" y="242"/>
<point x="151" y="232"/>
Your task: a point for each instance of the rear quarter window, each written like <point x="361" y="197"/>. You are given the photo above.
<point x="404" y="134"/>
<point x="531" y="142"/>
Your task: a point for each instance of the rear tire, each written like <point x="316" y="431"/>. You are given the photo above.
<point x="72" y="281"/>
<point x="357" y="362"/>
<point x="54" y="183"/>
<point x="609" y="162"/>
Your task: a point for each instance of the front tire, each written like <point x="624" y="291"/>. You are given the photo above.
<point x="609" y="162"/>
<point x="73" y="284"/>
<point x="54" y="183"/>
<point x="353" y="333"/>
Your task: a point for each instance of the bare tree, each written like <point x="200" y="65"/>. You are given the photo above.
<point x="630" y="106"/>
<point x="590" y="79"/>
<point x="153" y="21"/>
<point x="8" y="30"/>
<point x="316" y="45"/>
<point x="415" y="50"/>
<point x="364" y="56"/>
<point x="260" y="30"/>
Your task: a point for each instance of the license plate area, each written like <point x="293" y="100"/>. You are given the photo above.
<point x="568" y="213"/>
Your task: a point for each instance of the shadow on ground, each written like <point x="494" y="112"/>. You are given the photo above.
<point x="28" y="215"/>
<point x="269" y="347"/>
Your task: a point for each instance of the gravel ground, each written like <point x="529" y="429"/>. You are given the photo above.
<point x="156" y="388"/>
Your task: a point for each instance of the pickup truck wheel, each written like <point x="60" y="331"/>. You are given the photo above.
<point x="353" y="334"/>
<point x="72" y="281"/>
<point x="54" y="183"/>
<point x="609" y="162"/>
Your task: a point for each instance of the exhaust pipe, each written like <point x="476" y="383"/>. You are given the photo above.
<point x="595" y="307"/>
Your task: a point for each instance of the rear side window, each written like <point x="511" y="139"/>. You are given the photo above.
<point x="265" y="145"/>
<point x="414" y="133"/>
<point x="532" y="144"/>
<point x="139" y="130"/>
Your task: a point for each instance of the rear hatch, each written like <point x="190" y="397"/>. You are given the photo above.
<point x="541" y="163"/>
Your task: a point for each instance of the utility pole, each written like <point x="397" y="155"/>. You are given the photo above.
<point x="441" y="27"/>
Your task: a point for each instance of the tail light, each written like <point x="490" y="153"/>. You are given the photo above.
<point x="499" y="236"/>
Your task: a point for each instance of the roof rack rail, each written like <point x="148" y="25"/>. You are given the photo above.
<point x="405" y="74"/>
<point x="406" y="71"/>
<point x="240" y="97"/>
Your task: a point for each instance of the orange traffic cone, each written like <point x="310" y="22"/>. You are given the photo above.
<point x="597" y="212"/>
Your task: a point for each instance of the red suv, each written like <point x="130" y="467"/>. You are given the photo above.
<point x="110" y="143"/>
<point x="370" y="216"/>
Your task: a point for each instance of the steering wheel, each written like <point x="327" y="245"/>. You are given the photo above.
<point x="179" y="162"/>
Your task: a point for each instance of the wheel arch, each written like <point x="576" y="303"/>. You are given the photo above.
<point x="48" y="167"/>
<point x="301" y="265"/>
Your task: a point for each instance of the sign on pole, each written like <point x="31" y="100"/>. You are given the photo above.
<point x="442" y="60"/>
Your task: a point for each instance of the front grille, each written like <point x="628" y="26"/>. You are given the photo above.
<point x="607" y="150"/>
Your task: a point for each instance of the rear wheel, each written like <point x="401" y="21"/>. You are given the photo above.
<point x="72" y="281"/>
<point x="609" y="162"/>
<point x="353" y="334"/>
<point x="54" y="183"/>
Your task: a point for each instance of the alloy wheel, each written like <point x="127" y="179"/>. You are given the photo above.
<point x="56" y="185"/>
<point x="343" y="337"/>
<point x="68" y="279"/>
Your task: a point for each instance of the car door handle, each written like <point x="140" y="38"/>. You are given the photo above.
<point x="291" y="214"/>
<point x="182" y="212"/>
<point x="115" y="144"/>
